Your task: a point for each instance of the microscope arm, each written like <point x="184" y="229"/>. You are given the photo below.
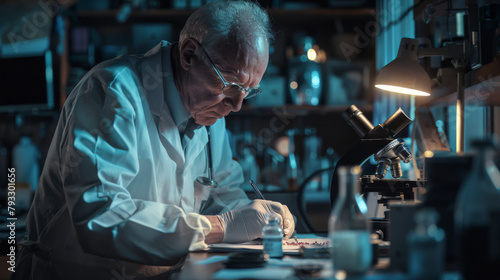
<point x="363" y="150"/>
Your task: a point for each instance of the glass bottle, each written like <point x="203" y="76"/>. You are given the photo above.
<point x="477" y="216"/>
<point x="348" y="228"/>
<point x="25" y="158"/>
<point x="248" y="163"/>
<point x="272" y="236"/>
<point x="304" y="73"/>
<point x="426" y="247"/>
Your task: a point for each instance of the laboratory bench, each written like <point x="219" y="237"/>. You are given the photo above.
<point x="207" y="265"/>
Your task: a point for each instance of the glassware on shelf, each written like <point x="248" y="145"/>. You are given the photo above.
<point x="273" y="170"/>
<point x="25" y="158"/>
<point x="477" y="216"/>
<point x="312" y="158"/>
<point x="348" y="228"/>
<point x="248" y="163"/>
<point x="305" y="73"/>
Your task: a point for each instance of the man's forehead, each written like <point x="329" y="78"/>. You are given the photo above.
<point x="250" y="47"/>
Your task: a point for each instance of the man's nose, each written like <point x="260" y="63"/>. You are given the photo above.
<point x="233" y="102"/>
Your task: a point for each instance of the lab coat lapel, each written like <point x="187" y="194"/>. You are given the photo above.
<point x="152" y="78"/>
<point x="196" y="145"/>
<point x="193" y="148"/>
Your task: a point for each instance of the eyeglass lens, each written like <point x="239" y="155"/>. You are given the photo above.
<point x="235" y="90"/>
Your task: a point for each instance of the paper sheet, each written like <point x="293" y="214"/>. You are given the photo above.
<point x="290" y="246"/>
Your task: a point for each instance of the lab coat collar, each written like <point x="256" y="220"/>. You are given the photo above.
<point x="172" y="95"/>
<point x="158" y="82"/>
<point x="153" y="76"/>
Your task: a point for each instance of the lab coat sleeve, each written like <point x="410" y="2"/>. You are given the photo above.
<point x="100" y="142"/>
<point x="228" y="173"/>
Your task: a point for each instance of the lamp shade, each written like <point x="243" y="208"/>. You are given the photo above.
<point x="404" y="74"/>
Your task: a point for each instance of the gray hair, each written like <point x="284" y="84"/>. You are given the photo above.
<point x="218" y="21"/>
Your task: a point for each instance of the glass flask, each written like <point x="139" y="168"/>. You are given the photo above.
<point x="477" y="216"/>
<point x="348" y="228"/>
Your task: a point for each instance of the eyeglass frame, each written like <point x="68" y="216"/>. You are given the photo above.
<point x="247" y="90"/>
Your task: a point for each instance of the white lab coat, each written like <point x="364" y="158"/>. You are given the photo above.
<point x="118" y="187"/>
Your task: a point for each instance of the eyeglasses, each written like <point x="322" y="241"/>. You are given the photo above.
<point x="233" y="89"/>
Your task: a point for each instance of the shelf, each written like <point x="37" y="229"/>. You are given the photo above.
<point x="296" y="110"/>
<point x="179" y="16"/>
<point x="109" y="16"/>
<point x="482" y="88"/>
<point x="319" y="14"/>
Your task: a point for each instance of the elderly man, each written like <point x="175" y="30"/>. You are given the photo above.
<point x="118" y="195"/>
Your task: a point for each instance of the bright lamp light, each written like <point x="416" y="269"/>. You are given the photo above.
<point x="404" y="74"/>
<point x="402" y="90"/>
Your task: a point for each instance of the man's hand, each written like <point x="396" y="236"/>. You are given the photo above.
<point x="246" y="223"/>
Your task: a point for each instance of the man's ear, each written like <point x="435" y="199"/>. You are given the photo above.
<point x="187" y="53"/>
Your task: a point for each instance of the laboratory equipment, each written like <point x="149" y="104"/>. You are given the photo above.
<point x="305" y="74"/>
<point x="272" y="237"/>
<point x="312" y="161"/>
<point x="391" y="155"/>
<point x="208" y="181"/>
<point x="374" y="140"/>
<point x="426" y="247"/>
<point x="348" y="227"/>
<point x="248" y="163"/>
<point x="444" y="172"/>
<point x="406" y="76"/>
<point x="378" y="140"/>
<point x="477" y="216"/>
<point x="25" y="159"/>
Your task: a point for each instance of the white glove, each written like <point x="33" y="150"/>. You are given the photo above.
<point x="246" y="223"/>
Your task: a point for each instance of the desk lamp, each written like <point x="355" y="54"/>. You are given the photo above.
<point x="405" y="75"/>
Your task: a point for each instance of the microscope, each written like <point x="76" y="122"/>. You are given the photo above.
<point x="388" y="152"/>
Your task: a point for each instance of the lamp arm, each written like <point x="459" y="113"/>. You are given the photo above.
<point x="452" y="50"/>
<point x="426" y="52"/>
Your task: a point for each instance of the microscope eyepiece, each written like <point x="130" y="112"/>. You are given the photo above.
<point x="396" y="122"/>
<point x="355" y="118"/>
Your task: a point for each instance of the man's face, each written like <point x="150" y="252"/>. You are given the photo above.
<point x="242" y="62"/>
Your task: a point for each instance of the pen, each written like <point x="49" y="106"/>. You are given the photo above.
<point x="256" y="189"/>
<point x="259" y="194"/>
